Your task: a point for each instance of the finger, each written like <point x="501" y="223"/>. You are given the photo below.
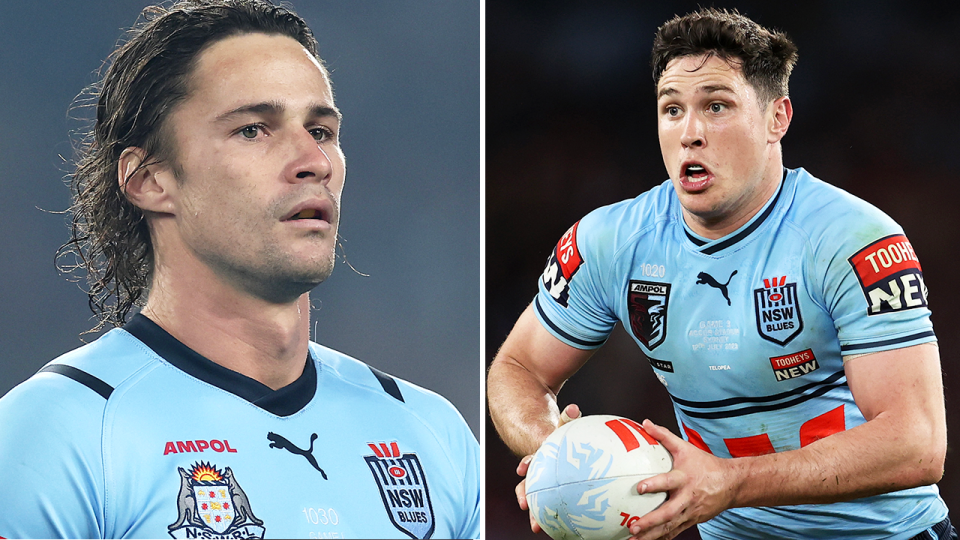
<point x="524" y="465"/>
<point x="683" y="526"/>
<point x="663" y="435"/>
<point x="658" y="522"/>
<point x="667" y="531"/>
<point x="521" y="491"/>
<point x="569" y="413"/>
<point x="659" y="483"/>
<point x="534" y="526"/>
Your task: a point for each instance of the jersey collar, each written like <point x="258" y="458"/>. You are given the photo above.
<point x="710" y="247"/>
<point x="282" y="402"/>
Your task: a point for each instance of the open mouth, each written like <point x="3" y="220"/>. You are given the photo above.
<point x="696" y="172"/>
<point x="314" y="211"/>
<point x="307" y="213"/>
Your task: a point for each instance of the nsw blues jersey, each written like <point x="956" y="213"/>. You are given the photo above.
<point x="138" y="436"/>
<point x="748" y="332"/>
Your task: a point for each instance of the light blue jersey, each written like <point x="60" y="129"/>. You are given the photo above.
<point x="138" y="436"/>
<point x="747" y="332"/>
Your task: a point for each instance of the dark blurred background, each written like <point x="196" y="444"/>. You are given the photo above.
<point x="571" y="126"/>
<point x="406" y="75"/>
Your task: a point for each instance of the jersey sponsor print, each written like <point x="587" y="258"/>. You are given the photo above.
<point x="890" y="276"/>
<point x="562" y="264"/>
<point x="403" y="488"/>
<point x="794" y="365"/>
<point x="211" y="504"/>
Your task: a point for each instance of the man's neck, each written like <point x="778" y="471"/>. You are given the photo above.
<point x="715" y="227"/>
<point x="264" y="341"/>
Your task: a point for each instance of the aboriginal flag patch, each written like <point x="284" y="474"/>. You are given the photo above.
<point x="890" y="276"/>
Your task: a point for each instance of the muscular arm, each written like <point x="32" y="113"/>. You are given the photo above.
<point x="902" y="445"/>
<point x="523" y="382"/>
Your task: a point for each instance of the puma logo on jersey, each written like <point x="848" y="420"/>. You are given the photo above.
<point x="704" y="278"/>
<point x="278" y="441"/>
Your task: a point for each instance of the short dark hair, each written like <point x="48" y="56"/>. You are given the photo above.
<point x="147" y="76"/>
<point x="766" y="57"/>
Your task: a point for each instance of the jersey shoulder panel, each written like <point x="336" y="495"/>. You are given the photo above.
<point x="606" y="231"/>
<point x="829" y="213"/>
<point x="581" y="280"/>
<point x="869" y="277"/>
<point x="414" y="403"/>
<point x="429" y="416"/>
<point x="51" y="434"/>
<point x="114" y="358"/>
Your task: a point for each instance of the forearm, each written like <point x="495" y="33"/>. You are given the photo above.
<point x="523" y="409"/>
<point x="888" y="453"/>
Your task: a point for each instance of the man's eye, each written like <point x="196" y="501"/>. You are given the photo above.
<point x="321" y="134"/>
<point x="716" y="107"/>
<point x="250" y="132"/>
<point x="673" y="111"/>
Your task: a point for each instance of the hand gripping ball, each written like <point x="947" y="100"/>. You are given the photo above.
<point x="582" y="482"/>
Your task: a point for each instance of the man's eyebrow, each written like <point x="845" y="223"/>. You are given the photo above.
<point x="712" y="88"/>
<point x="276" y="108"/>
<point x="321" y="111"/>
<point x="709" y="89"/>
<point x="667" y="92"/>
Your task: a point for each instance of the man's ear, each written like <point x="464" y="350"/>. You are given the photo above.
<point x="150" y="186"/>
<point x="781" y="113"/>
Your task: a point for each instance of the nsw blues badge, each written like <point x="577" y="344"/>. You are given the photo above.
<point x="403" y="488"/>
<point x="778" y="310"/>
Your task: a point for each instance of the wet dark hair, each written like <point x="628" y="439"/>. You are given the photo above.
<point x="765" y="57"/>
<point x="145" y="78"/>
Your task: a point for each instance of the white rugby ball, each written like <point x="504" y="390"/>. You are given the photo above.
<point x="582" y="482"/>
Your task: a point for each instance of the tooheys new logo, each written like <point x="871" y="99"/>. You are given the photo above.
<point x="403" y="488"/>
<point x="890" y="276"/>
<point x="562" y="264"/>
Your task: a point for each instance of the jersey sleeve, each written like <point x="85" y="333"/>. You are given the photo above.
<point x="51" y="471"/>
<point x="571" y="303"/>
<point x="472" y="514"/>
<point x="873" y="283"/>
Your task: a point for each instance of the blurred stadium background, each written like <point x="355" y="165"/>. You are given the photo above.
<point x="407" y="77"/>
<point x="571" y="126"/>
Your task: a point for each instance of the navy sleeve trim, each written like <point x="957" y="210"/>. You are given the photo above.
<point x="81" y="377"/>
<point x="388" y="383"/>
<point x="884" y="343"/>
<point x="568" y="337"/>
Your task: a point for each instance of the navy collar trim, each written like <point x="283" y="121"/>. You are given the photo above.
<point x="745" y="232"/>
<point x="283" y="402"/>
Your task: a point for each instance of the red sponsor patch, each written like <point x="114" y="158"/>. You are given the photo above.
<point x="794" y="365"/>
<point x="884" y="258"/>
<point x="568" y="256"/>
<point x="792" y="360"/>
<point x="890" y="276"/>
